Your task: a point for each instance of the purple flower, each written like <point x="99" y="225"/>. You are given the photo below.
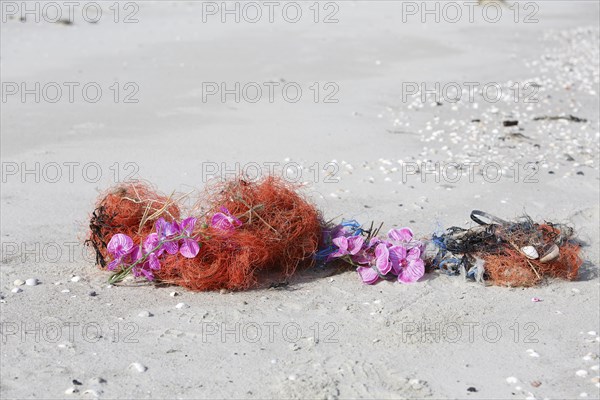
<point x="166" y="230"/>
<point x="413" y="267"/>
<point x="347" y="245"/>
<point x="368" y="275"/>
<point x="119" y="247"/>
<point x="145" y="269"/>
<point x="402" y="235"/>
<point x="189" y="247"/>
<point x="225" y="221"/>
<point x="397" y="255"/>
<point x="382" y="258"/>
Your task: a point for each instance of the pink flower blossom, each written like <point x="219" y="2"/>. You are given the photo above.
<point x="225" y="221"/>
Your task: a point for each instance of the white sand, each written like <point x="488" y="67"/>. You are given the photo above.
<point x="323" y="336"/>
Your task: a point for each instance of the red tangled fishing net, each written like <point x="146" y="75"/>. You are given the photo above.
<point x="130" y="208"/>
<point x="511" y="268"/>
<point x="280" y="231"/>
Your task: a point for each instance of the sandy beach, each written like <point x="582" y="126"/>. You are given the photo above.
<point x="328" y="95"/>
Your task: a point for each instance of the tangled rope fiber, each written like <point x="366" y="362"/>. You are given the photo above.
<point x="130" y="208"/>
<point x="509" y="253"/>
<point x="280" y="231"/>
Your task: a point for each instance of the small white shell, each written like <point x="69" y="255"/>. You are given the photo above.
<point x="136" y="366"/>
<point x="551" y="254"/>
<point x="530" y="252"/>
<point x="71" y="390"/>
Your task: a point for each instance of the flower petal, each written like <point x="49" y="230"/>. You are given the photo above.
<point x="119" y="245"/>
<point x="160" y="226"/>
<point x="113" y="264"/>
<point x="382" y="261"/>
<point x="342" y="246"/>
<point x="151" y="242"/>
<point x="148" y="274"/>
<point x="174" y="229"/>
<point x="412" y="272"/>
<point x="355" y="244"/>
<point x="368" y="275"/>
<point x="187" y="225"/>
<point x="397" y="255"/>
<point x="413" y="254"/>
<point x="403" y="235"/>
<point x="153" y="262"/>
<point x="171" y="247"/>
<point x="222" y="222"/>
<point x="363" y="257"/>
<point x="189" y="248"/>
<point x="373" y="242"/>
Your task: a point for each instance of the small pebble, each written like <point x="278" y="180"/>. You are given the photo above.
<point x="592" y="333"/>
<point x="76" y="278"/>
<point x="92" y="392"/>
<point x="292" y="377"/>
<point x="471" y="389"/>
<point x="590" y="356"/>
<point x="71" y="390"/>
<point x="97" y="381"/>
<point x="581" y="372"/>
<point x="536" y="299"/>
<point x="512" y="379"/>
<point x="182" y="305"/>
<point x="16" y="290"/>
<point x="136" y="366"/>
<point x="536" y="383"/>
<point x="76" y="382"/>
<point x="19" y="282"/>
<point x="31" y="282"/>
<point x="595" y="367"/>
<point x="145" y="314"/>
<point x="595" y="379"/>
<point x="415" y="383"/>
<point x="65" y="291"/>
<point x="92" y="294"/>
<point x="532" y="353"/>
<point x="173" y="294"/>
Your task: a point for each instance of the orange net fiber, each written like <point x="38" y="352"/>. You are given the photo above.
<point x="511" y="268"/>
<point x="280" y="231"/>
<point x="130" y="208"/>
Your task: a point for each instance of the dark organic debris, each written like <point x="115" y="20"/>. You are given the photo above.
<point x="569" y="117"/>
<point x="279" y="285"/>
<point x="515" y="135"/>
<point x="510" y="123"/>
<point x="509" y="253"/>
